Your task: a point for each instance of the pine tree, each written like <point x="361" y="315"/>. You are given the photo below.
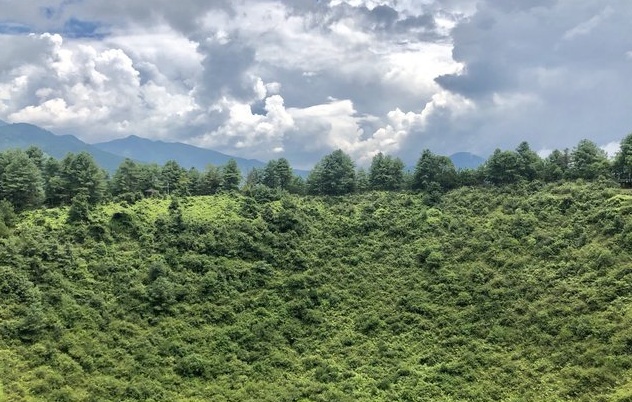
<point x="20" y="180"/>
<point x="81" y="175"/>
<point x="231" y="176"/>
<point x="333" y="175"/>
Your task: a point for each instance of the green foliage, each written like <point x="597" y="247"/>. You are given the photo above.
<point x="277" y="174"/>
<point x="174" y="179"/>
<point x="492" y="293"/>
<point x="529" y="163"/>
<point x="588" y="161"/>
<point x="20" y="180"/>
<point x="517" y="291"/>
<point x="210" y="181"/>
<point x="54" y="186"/>
<point x="332" y="175"/>
<point x="622" y="164"/>
<point x="231" y="176"/>
<point x="503" y="167"/>
<point x="79" y="211"/>
<point x="81" y="175"/>
<point x="386" y="173"/>
<point x="127" y="181"/>
<point x="434" y="172"/>
<point x="556" y="165"/>
<point x="7" y="217"/>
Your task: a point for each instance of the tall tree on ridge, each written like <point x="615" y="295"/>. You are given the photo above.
<point x="332" y="175"/>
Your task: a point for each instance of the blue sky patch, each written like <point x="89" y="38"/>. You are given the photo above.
<point x="76" y="28"/>
<point x="13" y="28"/>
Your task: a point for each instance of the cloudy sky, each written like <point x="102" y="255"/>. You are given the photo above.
<point x="298" y="79"/>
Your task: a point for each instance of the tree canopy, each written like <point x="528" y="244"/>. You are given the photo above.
<point x="332" y="175"/>
<point x="434" y="171"/>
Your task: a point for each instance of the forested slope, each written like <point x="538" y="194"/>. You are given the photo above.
<point x="515" y="293"/>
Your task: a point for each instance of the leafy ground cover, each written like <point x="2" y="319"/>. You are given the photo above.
<point x="517" y="293"/>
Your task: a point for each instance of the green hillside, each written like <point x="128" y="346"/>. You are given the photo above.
<point x="515" y="293"/>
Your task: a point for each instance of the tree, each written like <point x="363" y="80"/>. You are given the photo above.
<point x="556" y="165"/>
<point x="81" y="175"/>
<point x="503" y="167"/>
<point x="362" y="181"/>
<point x="127" y="180"/>
<point x="194" y="178"/>
<point x="529" y="163"/>
<point x="253" y="178"/>
<point x="297" y="185"/>
<point x="149" y="177"/>
<point x="588" y="161"/>
<point x="79" y="211"/>
<point x="209" y="181"/>
<point x="36" y="155"/>
<point x="7" y="218"/>
<point x="432" y="171"/>
<point x="622" y="165"/>
<point x="55" y="193"/>
<point x="332" y="175"/>
<point x="277" y="174"/>
<point x="174" y="178"/>
<point x="470" y="177"/>
<point x="386" y="173"/>
<point x="231" y="176"/>
<point x="20" y="180"/>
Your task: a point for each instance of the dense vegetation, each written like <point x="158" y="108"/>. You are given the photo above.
<point x="495" y="293"/>
<point x="30" y="179"/>
<point x="512" y="282"/>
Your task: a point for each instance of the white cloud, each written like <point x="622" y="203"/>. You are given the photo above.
<point x="301" y="78"/>
<point x="248" y="133"/>
<point x="586" y="27"/>
<point x="94" y="90"/>
<point x="612" y="148"/>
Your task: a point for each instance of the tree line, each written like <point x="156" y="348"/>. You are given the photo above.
<point x="30" y="179"/>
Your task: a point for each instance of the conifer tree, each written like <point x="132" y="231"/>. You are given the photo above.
<point x="231" y="176"/>
<point x="333" y="175"/>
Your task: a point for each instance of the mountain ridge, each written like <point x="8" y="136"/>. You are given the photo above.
<point x="24" y="135"/>
<point x="157" y="151"/>
<point x="466" y="160"/>
<point x="110" y="154"/>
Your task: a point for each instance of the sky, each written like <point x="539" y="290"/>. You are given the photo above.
<point x="298" y="79"/>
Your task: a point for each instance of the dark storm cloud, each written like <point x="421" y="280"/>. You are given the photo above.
<point x="504" y="40"/>
<point x="225" y="67"/>
<point x="550" y="72"/>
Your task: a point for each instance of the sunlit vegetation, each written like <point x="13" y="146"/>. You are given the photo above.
<point x="449" y="286"/>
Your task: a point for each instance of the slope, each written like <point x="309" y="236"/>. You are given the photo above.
<point x="515" y="293"/>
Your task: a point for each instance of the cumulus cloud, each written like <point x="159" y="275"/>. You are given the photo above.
<point x="256" y="135"/>
<point x="301" y="78"/>
<point x="96" y="90"/>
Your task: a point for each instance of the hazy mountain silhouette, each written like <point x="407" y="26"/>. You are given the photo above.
<point x="23" y="135"/>
<point x="188" y="156"/>
<point x="466" y="160"/>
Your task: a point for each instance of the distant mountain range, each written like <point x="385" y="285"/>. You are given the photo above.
<point x="466" y="160"/>
<point x="188" y="156"/>
<point x="22" y="135"/>
<point x="109" y="155"/>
